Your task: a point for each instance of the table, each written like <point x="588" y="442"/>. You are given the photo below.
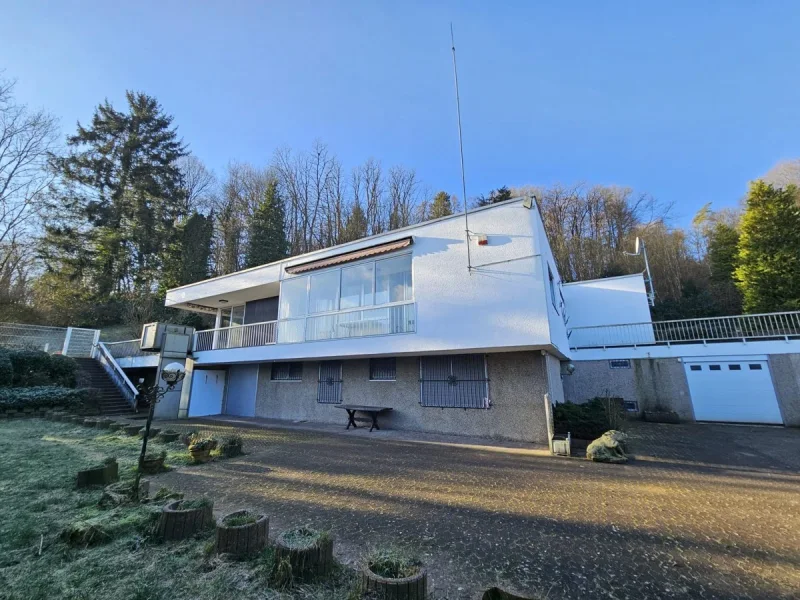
<point x="372" y="411"/>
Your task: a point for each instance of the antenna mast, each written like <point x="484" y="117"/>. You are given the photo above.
<point x="461" y="150"/>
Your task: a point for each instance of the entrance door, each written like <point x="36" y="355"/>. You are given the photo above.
<point x="329" y="389"/>
<point x="208" y="388"/>
<point x="733" y="390"/>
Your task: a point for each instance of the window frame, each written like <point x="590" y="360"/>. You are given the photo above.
<point x="391" y="358"/>
<point x="552" y="282"/>
<point x="289" y="378"/>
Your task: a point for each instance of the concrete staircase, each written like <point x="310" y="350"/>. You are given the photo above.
<point x="110" y="398"/>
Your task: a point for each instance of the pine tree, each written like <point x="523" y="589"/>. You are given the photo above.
<point x="442" y="205"/>
<point x="723" y="251"/>
<point x="267" y="230"/>
<point x="768" y="271"/>
<point x="355" y="226"/>
<point x="119" y="198"/>
<point x="195" y="258"/>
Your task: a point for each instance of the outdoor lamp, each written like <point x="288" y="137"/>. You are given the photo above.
<point x="173" y="373"/>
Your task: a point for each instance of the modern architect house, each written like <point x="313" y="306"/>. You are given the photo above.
<point x="460" y="333"/>
<point x="455" y="336"/>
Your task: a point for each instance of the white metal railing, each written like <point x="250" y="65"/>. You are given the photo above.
<point x="351" y="323"/>
<point x="110" y="365"/>
<point x="238" y="336"/>
<point x="126" y="349"/>
<point x="780" y="325"/>
<point x="71" y="341"/>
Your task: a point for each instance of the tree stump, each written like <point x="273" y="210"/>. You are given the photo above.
<point x="405" y="588"/>
<point x="131" y="430"/>
<point x="242" y="540"/>
<point x="178" y="523"/>
<point x="496" y="593"/>
<point x="167" y="437"/>
<point x="115" y="426"/>
<point x="307" y="561"/>
<point x="99" y="475"/>
<point x="153" y="463"/>
<point x="154" y="431"/>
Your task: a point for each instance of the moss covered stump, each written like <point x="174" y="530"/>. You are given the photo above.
<point x="302" y="555"/>
<point x="242" y="534"/>
<point x="183" y="519"/>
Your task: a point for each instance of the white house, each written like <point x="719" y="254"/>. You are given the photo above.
<point x="456" y="333"/>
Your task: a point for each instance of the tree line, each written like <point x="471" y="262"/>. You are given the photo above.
<point x="94" y="230"/>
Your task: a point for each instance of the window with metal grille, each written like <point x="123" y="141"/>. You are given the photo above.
<point x="458" y="381"/>
<point x="619" y="364"/>
<point x="382" y="369"/>
<point x="329" y="387"/>
<point x="287" y="371"/>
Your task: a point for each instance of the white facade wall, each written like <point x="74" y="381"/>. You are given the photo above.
<point x="501" y="304"/>
<point x="690" y="350"/>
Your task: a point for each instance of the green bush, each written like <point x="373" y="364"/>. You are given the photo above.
<point x="45" y="397"/>
<point x="587" y="421"/>
<point x="34" y="368"/>
<point x="6" y="370"/>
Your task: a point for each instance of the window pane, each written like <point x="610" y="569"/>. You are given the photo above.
<point x="324" y="294"/>
<point x="237" y="315"/>
<point x="293" y="297"/>
<point x="357" y="283"/>
<point x="225" y="319"/>
<point x="393" y="280"/>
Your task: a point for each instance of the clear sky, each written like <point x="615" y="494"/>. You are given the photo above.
<point x="686" y="100"/>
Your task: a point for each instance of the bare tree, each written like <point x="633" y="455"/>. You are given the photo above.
<point x="403" y="197"/>
<point x="27" y="138"/>
<point x="199" y="183"/>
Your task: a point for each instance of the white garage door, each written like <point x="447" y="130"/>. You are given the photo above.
<point x="208" y="388"/>
<point x="733" y="390"/>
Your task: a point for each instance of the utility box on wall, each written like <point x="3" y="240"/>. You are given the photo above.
<point x="172" y="338"/>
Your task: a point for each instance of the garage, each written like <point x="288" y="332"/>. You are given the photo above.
<point x="732" y="390"/>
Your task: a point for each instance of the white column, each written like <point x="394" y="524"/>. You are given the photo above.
<point x="65" y="348"/>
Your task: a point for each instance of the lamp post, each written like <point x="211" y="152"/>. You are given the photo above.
<point x="172" y="375"/>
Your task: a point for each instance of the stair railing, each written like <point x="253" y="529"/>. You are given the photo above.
<point x="110" y="366"/>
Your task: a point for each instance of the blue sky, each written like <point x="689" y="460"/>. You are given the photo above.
<point x="687" y="101"/>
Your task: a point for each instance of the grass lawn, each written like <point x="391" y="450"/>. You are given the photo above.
<point x="39" y="501"/>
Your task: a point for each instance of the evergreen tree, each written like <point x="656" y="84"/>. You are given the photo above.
<point x="723" y="252"/>
<point x="442" y="205"/>
<point x="501" y="194"/>
<point x="195" y="258"/>
<point x="267" y="231"/>
<point x="120" y="195"/>
<point x="355" y="226"/>
<point x="768" y="271"/>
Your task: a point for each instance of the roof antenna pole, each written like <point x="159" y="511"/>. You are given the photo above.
<point x="641" y="250"/>
<point x="461" y="150"/>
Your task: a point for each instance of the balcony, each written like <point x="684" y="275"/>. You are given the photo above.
<point x="346" y="324"/>
<point x="768" y="326"/>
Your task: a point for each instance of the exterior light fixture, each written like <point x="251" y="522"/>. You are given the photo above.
<point x="223" y="301"/>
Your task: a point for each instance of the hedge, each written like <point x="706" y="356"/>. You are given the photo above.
<point x="34" y="368"/>
<point x="45" y="397"/>
<point x="586" y="421"/>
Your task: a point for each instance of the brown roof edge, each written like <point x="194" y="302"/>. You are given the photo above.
<point x="347" y="257"/>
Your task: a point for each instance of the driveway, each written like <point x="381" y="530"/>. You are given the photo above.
<point x="704" y="511"/>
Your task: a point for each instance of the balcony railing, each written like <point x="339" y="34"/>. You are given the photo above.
<point x="353" y="323"/>
<point x="782" y="325"/>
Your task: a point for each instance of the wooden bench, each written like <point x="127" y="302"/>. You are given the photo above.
<point x="372" y="411"/>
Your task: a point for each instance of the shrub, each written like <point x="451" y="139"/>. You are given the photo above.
<point x="34" y="368"/>
<point x="6" y="370"/>
<point x="587" y="421"/>
<point x="45" y="397"/>
<point x="231" y="446"/>
<point x="201" y="444"/>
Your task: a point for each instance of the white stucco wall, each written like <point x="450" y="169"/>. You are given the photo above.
<point x="502" y="304"/>
<point x="607" y="301"/>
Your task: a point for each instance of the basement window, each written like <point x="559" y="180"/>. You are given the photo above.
<point x="696" y="367"/>
<point x="287" y="371"/>
<point x="755" y="367"/>
<point x="382" y="369"/>
<point x="619" y="364"/>
<point x="714" y="368"/>
<point x="458" y="381"/>
<point x="734" y="367"/>
<point x="630" y="406"/>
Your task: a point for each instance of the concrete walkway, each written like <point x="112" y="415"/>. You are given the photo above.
<point x="705" y="511"/>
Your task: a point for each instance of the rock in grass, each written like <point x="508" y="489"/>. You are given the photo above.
<point x="609" y="447"/>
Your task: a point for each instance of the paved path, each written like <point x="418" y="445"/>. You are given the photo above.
<point x="705" y="511"/>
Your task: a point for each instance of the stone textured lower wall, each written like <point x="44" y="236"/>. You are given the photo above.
<point x="517" y="385"/>
<point x="785" y="369"/>
<point x="651" y="382"/>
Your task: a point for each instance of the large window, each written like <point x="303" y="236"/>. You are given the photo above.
<point x="393" y="280"/>
<point x="358" y="285"/>
<point x="287" y="371"/>
<point x="457" y="381"/>
<point x="230" y="317"/>
<point x="368" y="284"/>
<point x="293" y="298"/>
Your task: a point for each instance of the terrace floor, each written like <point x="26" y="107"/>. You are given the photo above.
<point x="704" y="511"/>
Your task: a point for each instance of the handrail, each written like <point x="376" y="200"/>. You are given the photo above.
<point x="118" y="376"/>
<point x="126" y="348"/>
<point x="777" y="325"/>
